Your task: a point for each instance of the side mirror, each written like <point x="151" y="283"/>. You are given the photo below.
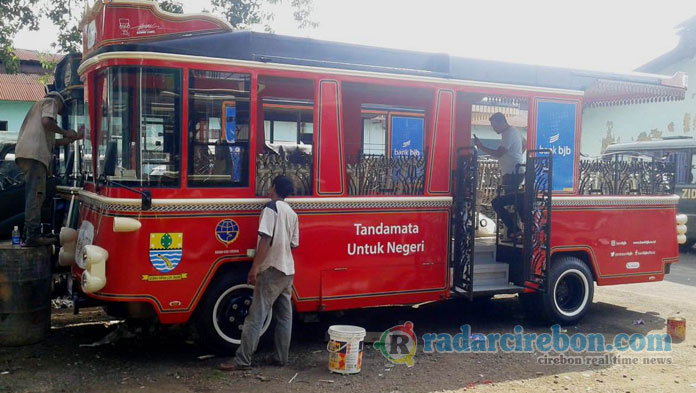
<point x="110" y="159"/>
<point x="146" y="198"/>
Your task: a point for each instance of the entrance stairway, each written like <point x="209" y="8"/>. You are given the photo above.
<point x="490" y="276"/>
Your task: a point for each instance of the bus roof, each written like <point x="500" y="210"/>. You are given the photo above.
<point x="599" y="87"/>
<point x="662" y="144"/>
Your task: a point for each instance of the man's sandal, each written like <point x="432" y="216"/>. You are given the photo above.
<point x="232" y="366"/>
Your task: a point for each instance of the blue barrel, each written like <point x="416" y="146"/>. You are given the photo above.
<point x="25" y="294"/>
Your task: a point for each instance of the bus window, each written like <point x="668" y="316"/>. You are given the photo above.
<point x="138" y="109"/>
<point x="288" y="133"/>
<point x="288" y="124"/>
<point x="374" y="135"/>
<point x="692" y="174"/>
<point x="218" y="129"/>
<point x="78" y="118"/>
<point x="68" y="159"/>
<point x="385" y="139"/>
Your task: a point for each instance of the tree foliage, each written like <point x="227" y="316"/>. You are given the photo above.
<point x="49" y="66"/>
<point x="14" y="15"/>
<point x="241" y="14"/>
<point x="65" y="14"/>
<point x="172" y="6"/>
<point x="244" y="14"/>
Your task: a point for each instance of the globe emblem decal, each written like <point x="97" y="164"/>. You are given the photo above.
<point x="227" y="231"/>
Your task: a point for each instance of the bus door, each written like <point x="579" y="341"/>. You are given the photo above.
<point x="464" y="221"/>
<point x="536" y="218"/>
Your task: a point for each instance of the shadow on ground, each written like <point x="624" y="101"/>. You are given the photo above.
<point x="166" y="360"/>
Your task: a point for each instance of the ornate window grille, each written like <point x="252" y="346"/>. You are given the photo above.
<point x="380" y="175"/>
<point x="618" y="176"/>
<point x="297" y="166"/>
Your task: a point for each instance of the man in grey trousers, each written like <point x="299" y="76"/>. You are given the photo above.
<point x="271" y="274"/>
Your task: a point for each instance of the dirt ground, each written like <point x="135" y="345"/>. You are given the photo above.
<point x="167" y="361"/>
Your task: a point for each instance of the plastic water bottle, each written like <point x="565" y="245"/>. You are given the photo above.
<point x="15" y="236"/>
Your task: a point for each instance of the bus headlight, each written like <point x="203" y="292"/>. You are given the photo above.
<point x="681" y="228"/>
<point x="682" y="219"/>
<point x="68" y="239"/>
<point x="94" y="276"/>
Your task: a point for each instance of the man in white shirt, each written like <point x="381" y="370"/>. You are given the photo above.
<point x="509" y="155"/>
<point x="271" y="274"/>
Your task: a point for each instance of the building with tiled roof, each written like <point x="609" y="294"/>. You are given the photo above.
<point x="653" y="121"/>
<point x="21" y="87"/>
<point x="30" y="61"/>
<point x="18" y="92"/>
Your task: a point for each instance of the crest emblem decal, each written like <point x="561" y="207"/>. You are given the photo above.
<point x="166" y="250"/>
<point x="227" y="231"/>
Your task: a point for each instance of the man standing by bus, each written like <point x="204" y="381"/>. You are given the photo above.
<point x="509" y="155"/>
<point x="271" y="274"/>
<point x="33" y="153"/>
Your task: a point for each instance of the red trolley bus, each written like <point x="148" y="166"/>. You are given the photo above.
<point x="189" y="122"/>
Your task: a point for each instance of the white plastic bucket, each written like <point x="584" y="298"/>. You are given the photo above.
<point x="345" y="348"/>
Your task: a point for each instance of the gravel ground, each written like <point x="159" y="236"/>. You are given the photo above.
<point x="165" y="360"/>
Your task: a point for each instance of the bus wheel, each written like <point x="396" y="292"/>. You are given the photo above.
<point x="222" y="314"/>
<point x="570" y="291"/>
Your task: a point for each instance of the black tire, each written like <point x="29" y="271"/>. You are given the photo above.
<point x="220" y="314"/>
<point x="568" y="297"/>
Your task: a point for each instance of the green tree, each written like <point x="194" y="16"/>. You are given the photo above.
<point x="49" y="67"/>
<point x="14" y="15"/>
<point x="172" y="6"/>
<point x="244" y="14"/>
<point x="66" y="14"/>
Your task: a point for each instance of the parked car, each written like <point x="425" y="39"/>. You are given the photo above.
<point x="12" y="192"/>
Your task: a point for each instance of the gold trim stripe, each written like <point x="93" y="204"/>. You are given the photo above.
<point x="256" y="204"/>
<point x="619" y="200"/>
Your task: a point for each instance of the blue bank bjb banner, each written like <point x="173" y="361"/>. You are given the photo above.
<point x="230" y="124"/>
<point x="407" y="136"/>
<point x="231" y="137"/>
<point x="556" y="131"/>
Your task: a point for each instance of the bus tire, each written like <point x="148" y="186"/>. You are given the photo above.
<point x="222" y="311"/>
<point x="570" y="291"/>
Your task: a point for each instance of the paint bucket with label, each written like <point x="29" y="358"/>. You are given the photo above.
<point x="676" y="328"/>
<point x="345" y="348"/>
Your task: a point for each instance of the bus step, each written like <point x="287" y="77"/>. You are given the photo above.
<point x="484" y="250"/>
<point x="491" y="273"/>
<point x="494" y="289"/>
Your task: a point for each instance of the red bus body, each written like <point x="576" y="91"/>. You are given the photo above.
<point x="347" y="258"/>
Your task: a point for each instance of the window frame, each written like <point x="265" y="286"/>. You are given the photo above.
<point x="247" y="156"/>
<point x="101" y="75"/>
<point x="297" y="109"/>
<point x="389" y="113"/>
